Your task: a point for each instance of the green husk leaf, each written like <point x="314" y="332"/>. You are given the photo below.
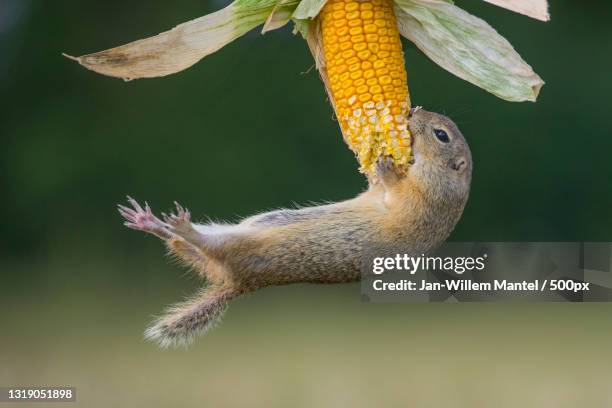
<point x="280" y="15"/>
<point x="305" y="12"/>
<point x="186" y="44"/>
<point x="302" y="27"/>
<point x="308" y="9"/>
<point x="467" y="47"/>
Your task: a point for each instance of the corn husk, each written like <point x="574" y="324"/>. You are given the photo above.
<point x="468" y="47"/>
<point x="454" y="39"/>
<point x="175" y="50"/>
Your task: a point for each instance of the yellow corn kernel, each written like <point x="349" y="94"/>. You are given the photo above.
<point x="369" y="88"/>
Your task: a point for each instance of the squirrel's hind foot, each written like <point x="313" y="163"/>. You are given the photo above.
<point x="176" y="229"/>
<point x="180" y="224"/>
<point x="142" y="219"/>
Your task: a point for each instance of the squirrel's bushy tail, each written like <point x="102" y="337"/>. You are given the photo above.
<point x="182" y="322"/>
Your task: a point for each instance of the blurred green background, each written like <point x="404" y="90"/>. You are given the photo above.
<point x="249" y="129"/>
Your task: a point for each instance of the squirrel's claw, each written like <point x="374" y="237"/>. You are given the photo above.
<point x="182" y="215"/>
<point x="142" y="219"/>
<point x="386" y="171"/>
<point x="126" y="212"/>
<point x="180" y="223"/>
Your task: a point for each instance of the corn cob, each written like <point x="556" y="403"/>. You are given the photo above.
<point x="367" y="77"/>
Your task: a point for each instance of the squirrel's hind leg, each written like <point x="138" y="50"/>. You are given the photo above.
<point x="179" y="233"/>
<point x="180" y="224"/>
<point x="187" y="253"/>
<point x="143" y="219"/>
<point x="209" y="239"/>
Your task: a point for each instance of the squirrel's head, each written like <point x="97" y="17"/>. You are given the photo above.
<point x="442" y="157"/>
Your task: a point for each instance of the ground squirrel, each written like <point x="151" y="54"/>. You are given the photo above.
<point x="412" y="211"/>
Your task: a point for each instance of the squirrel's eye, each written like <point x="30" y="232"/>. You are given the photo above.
<point x="442" y="135"/>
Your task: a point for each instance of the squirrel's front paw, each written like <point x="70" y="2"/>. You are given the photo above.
<point x="386" y="171"/>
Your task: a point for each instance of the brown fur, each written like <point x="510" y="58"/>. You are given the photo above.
<point x="411" y="211"/>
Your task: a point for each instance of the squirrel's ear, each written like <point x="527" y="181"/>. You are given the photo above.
<point x="460" y="164"/>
